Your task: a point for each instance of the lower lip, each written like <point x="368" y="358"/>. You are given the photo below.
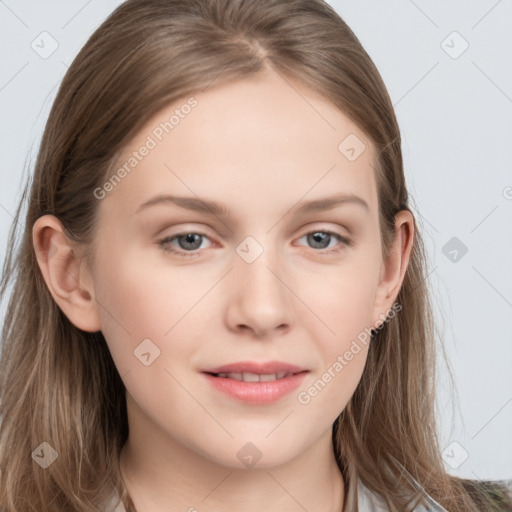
<point x="257" y="392"/>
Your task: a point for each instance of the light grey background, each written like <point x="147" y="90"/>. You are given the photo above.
<point x="455" y="112"/>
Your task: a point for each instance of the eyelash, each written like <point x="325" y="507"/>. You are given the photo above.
<point x="164" y="243"/>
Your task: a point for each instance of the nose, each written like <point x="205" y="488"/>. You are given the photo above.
<point x="258" y="298"/>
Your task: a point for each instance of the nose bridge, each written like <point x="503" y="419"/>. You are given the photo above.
<point x="260" y="298"/>
<point x="257" y="261"/>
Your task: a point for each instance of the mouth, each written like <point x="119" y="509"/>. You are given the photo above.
<point x="255" y="377"/>
<point x="256" y="383"/>
<point x="252" y="371"/>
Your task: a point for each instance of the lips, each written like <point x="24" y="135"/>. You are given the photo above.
<point x="250" y="371"/>
<point x="254" y="377"/>
<point x="256" y="383"/>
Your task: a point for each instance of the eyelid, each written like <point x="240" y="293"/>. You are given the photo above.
<point x="342" y="241"/>
<point x="325" y="229"/>
<point x="164" y="242"/>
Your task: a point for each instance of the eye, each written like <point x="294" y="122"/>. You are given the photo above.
<point x="320" y="239"/>
<point x="191" y="241"/>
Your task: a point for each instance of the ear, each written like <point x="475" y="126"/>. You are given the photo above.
<point x="65" y="273"/>
<point x="393" y="269"/>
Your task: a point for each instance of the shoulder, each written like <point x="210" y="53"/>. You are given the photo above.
<point x="370" y="502"/>
<point x="498" y="492"/>
<point x="115" y="504"/>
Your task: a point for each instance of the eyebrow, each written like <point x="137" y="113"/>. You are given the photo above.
<point x="214" y="208"/>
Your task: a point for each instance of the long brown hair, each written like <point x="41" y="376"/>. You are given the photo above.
<point x="59" y="385"/>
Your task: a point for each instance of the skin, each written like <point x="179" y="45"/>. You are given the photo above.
<point x="261" y="147"/>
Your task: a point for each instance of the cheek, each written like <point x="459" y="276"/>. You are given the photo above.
<point x="344" y="301"/>
<point x="326" y="393"/>
<point x="138" y="302"/>
<point x="130" y="306"/>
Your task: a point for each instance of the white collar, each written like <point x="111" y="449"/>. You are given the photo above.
<point x="370" y="502"/>
<point x="367" y="501"/>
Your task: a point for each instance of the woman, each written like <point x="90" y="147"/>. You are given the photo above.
<point x="256" y="371"/>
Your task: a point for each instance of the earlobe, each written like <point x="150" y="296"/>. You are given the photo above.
<point x="61" y="268"/>
<point x="393" y="269"/>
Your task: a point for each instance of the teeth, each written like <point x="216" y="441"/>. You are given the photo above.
<point x="254" y="377"/>
<point x="251" y="377"/>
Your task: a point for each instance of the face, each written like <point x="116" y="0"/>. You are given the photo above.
<point x="181" y="290"/>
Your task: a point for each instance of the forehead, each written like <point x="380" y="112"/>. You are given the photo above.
<point x="261" y="140"/>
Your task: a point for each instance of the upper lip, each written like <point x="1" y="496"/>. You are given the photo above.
<point x="267" y="368"/>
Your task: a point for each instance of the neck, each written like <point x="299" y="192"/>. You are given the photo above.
<point x="163" y="475"/>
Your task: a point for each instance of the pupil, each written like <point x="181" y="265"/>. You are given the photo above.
<point x="318" y="236"/>
<point x="190" y="238"/>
